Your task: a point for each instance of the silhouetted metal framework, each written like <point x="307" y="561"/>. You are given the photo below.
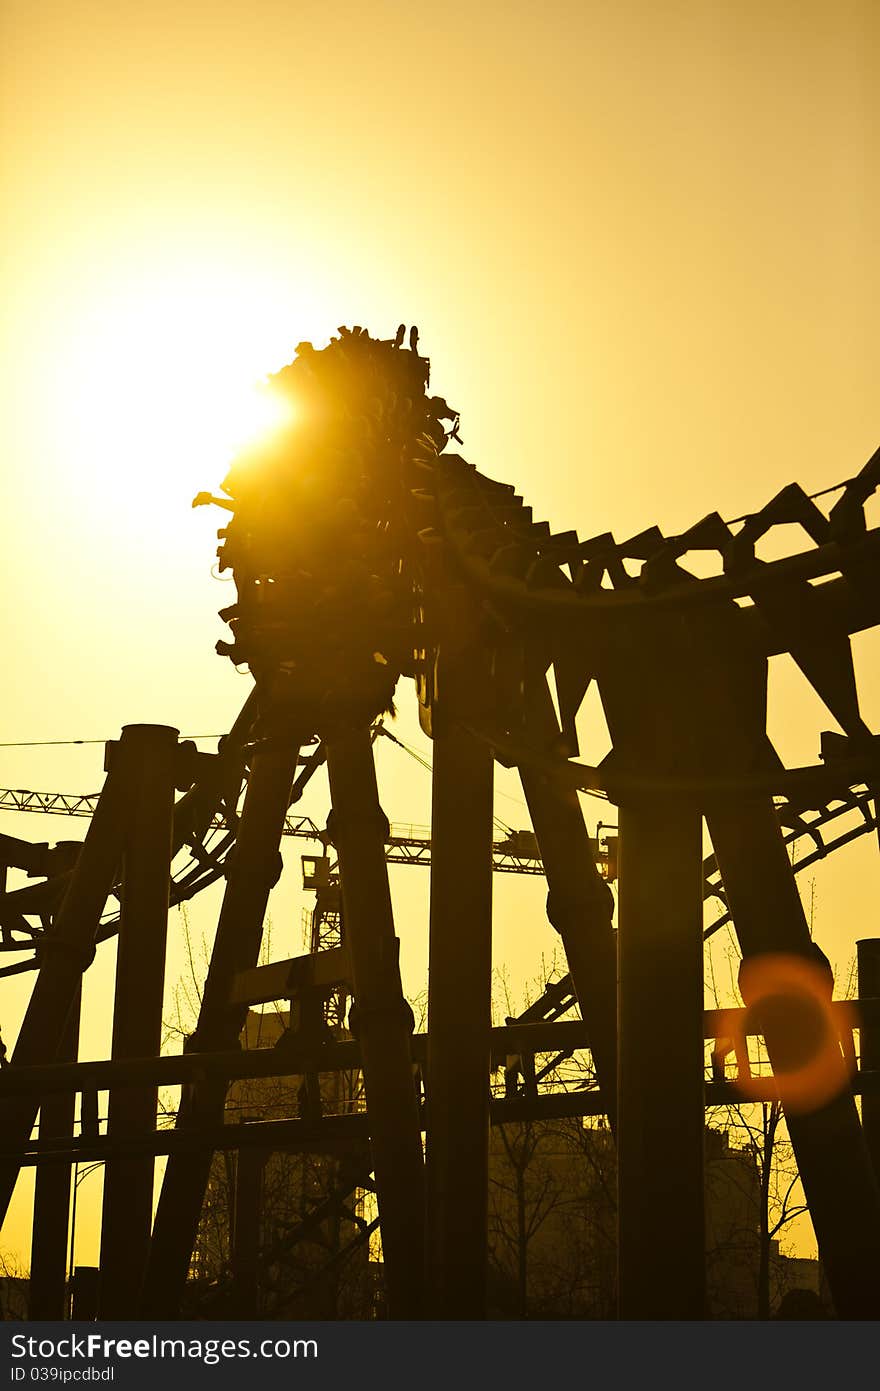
<point x="406" y="845"/>
<point x="821" y="831"/>
<point x="364" y="550"/>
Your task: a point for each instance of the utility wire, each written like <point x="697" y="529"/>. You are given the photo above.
<point x="425" y="763"/>
<point x="66" y="743"/>
<point x="823" y="492"/>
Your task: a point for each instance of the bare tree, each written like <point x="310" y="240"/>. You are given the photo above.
<point x="552" y="1198"/>
<point x="768" y="1179"/>
<point x="14" y="1282"/>
<point x="528" y="1185"/>
<point x="311" y="1205"/>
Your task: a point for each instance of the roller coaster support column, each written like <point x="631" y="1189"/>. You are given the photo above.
<point x="829" y="1145"/>
<point x="255" y="868"/>
<point x="459" y="1019"/>
<point x="381" y="1018"/>
<point x="47" y="1289"/>
<point x="149" y="753"/>
<point x="580" y="906"/>
<point x="868" y="965"/>
<point x="660" y="1127"/>
<point x="64" y="956"/>
<point x="246" y="1230"/>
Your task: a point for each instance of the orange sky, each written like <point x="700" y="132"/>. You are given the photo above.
<point x="640" y="240"/>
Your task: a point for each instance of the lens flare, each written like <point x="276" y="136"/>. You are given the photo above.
<point x="788" y="1000"/>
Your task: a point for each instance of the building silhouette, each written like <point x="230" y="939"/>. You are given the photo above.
<point x="552" y="1226"/>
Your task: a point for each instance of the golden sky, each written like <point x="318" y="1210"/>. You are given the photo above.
<point x="640" y="241"/>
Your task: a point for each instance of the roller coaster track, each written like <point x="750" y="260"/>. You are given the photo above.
<point x="452" y="581"/>
<point x="363" y="549"/>
<point x="601" y="592"/>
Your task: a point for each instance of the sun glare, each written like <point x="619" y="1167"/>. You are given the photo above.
<point x="161" y="387"/>
<point x="259" y="412"/>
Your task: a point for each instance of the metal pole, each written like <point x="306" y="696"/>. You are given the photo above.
<point x="255" y="868"/>
<point x="65" y="953"/>
<point x="47" y="1294"/>
<point x="832" y="1156"/>
<point x="81" y="1171"/>
<point x="868" y="967"/>
<point x="72" y="1248"/>
<point x="660" y="1127"/>
<point x="148" y="753"/>
<point x="381" y="1017"/>
<point x="459" y="1019"/>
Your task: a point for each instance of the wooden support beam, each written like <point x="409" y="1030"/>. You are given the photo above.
<point x="580" y="904"/>
<point x="299" y="1058"/>
<point x="64" y="956"/>
<point x="661" y="1121"/>
<point x="459" y="1018"/>
<point x="281" y="980"/>
<point x="250" y="877"/>
<point x="247" y="1219"/>
<point x="381" y="1019"/>
<point x="148" y="753"/>
<point x="337" y="1134"/>
<point x="868" y="967"/>
<point x="47" y="1291"/>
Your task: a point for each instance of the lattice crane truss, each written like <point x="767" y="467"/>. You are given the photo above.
<point x="364" y="550"/>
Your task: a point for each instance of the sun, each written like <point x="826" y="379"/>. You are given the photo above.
<point x="258" y="412"/>
<point x="163" y="382"/>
